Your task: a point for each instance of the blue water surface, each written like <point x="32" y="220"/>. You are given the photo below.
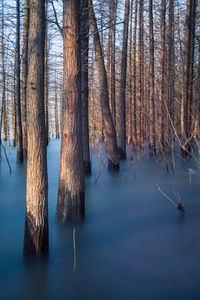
<point x="133" y="244"/>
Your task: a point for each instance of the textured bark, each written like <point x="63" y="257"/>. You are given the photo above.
<point x="130" y="88"/>
<point x="36" y="224"/>
<point x="122" y="115"/>
<point x="46" y="76"/>
<point x="14" y="109"/>
<point x="187" y="97"/>
<point x="70" y="205"/>
<point x="84" y="78"/>
<point x="162" y="78"/>
<point x="24" y="74"/>
<point x="152" y="84"/>
<point x="141" y="76"/>
<point x="170" y="69"/>
<point x="109" y="129"/>
<point x="18" y="93"/>
<point x="56" y="109"/>
<point x="134" y="134"/>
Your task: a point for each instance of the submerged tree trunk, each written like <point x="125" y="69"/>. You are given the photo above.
<point x="71" y="192"/>
<point x="122" y="115"/>
<point x="84" y="78"/>
<point x="24" y="75"/>
<point x="18" y="93"/>
<point x="46" y="76"/>
<point x="36" y="242"/>
<point x="109" y="129"/>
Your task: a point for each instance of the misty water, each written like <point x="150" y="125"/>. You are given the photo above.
<point x="133" y="244"/>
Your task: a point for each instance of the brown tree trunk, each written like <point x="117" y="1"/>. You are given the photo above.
<point x="187" y="98"/>
<point x="141" y="76"/>
<point x="46" y="75"/>
<point x="36" y="242"/>
<point x="24" y="74"/>
<point x="122" y="115"/>
<point x="14" y="108"/>
<point x="134" y="134"/>
<point x="152" y="84"/>
<point x="3" y="103"/>
<point x="70" y="205"/>
<point x="109" y="129"/>
<point x="162" y="78"/>
<point x="84" y="78"/>
<point x="18" y="93"/>
<point x="56" y="109"/>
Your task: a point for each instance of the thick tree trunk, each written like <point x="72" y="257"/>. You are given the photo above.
<point x="24" y="74"/>
<point x="14" y="108"/>
<point x="18" y="93"/>
<point x="84" y="78"/>
<point x="36" y="225"/>
<point x="122" y="115"/>
<point x="152" y="85"/>
<point x="70" y="205"/>
<point x="109" y="129"/>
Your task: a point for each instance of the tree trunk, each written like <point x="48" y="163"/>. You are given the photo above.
<point x="152" y="88"/>
<point x="109" y="129"/>
<point x="122" y="115"/>
<point x="18" y="94"/>
<point x="56" y="109"/>
<point x="46" y="76"/>
<point x="70" y="205"/>
<point x="24" y="74"/>
<point x="162" y="79"/>
<point x="84" y="78"/>
<point x="36" y="242"/>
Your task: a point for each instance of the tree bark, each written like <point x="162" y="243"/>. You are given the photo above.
<point x="24" y="75"/>
<point x="18" y="93"/>
<point x="70" y="205"/>
<point x="84" y="78"/>
<point x="122" y="115"/>
<point x="109" y="129"/>
<point x="36" y="242"/>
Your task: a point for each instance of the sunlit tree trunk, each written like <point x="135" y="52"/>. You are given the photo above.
<point x="70" y="205"/>
<point x="122" y="115"/>
<point x="24" y="74"/>
<point x="18" y="92"/>
<point x="36" y="242"/>
<point x="84" y="78"/>
<point x="109" y="129"/>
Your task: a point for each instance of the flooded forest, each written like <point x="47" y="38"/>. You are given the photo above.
<point x="99" y="149"/>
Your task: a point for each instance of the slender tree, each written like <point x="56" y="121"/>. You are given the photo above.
<point x="84" y="78"/>
<point x="24" y="74"/>
<point x="122" y="115"/>
<point x="36" y="242"/>
<point x="70" y="205"/>
<point x="18" y="92"/>
<point x="109" y="129"/>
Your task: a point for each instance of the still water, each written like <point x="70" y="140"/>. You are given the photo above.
<point x="133" y="243"/>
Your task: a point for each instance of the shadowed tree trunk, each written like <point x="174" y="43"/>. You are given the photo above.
<point x="14" y="108"/>
<point x="84" y="78"/>
<point x="187" y="98"/>
<point x="46" y="75"/>
<point x="162" y="78"/>
<point x="152" y="92"/>
<point x="24" y="74"/>
<point x="71" y="192"/>
<point x="56" y="109"/>
<point x="122" y="115"/>
<point x="36" y="242"/>
<point x="134" y="134"/>
<point x="18" y="93"/>
<point x="109" y="129"/>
